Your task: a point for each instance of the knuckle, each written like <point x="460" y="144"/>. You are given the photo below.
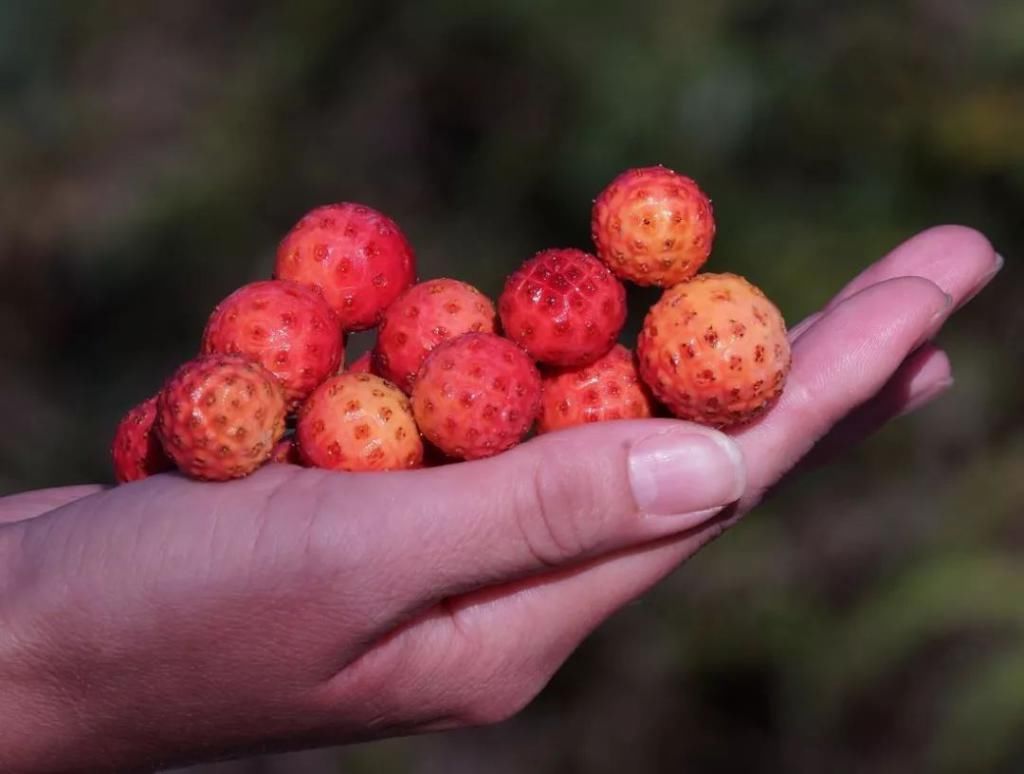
<point x="555" y="514"/>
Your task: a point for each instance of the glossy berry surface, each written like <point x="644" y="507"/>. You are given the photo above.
<point x="607" y="389"/>
<point x="714" y="350"/>
<point x="564" y="307"/>
<point x="423" y="316"/>
<point x="653" y="226"/>
<point x="286" y="327"/>
<point x="358" y="422"/>
<point x="220" y="416"/>
<point x="476" y="396"/>
<point x="136" y="450"/>
<point x="358" y="258"/>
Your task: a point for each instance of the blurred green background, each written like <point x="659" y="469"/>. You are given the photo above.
<point x="869" y="619"/>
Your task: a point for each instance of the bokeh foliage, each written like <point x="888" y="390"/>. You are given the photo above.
<point x="870" y="617"/>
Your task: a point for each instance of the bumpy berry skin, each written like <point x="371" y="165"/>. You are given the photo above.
<point x="286" y="327"/>
<point x="423" y="317"/>
<point x="358" y="422"/>
<point x="607" y="389"/>
<point x="355" y="255"/>
<point x="361" y="365"/>
<point x="714" y="350"/>
<point x="476" y="395"/>
<point x="286" y="452"/>
<point x="564" y="307"/>
<point x="136" y="450"/>
<point x="219" y="417"/>
<point x="653" y="226"/>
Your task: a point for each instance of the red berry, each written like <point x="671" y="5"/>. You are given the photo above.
<point x="219" y="416"/>
<point x="355" y="255"/>
<point x="563" y="307"/>
<point x="476" y="395"/>
<point x="358" y="422"/>
<point x="714" y="350"/>
<point x="136" y="450"/>
<point x="653" y="226"/>
<point x="361" y="365"/>
<point x="423" y="317"/>
<point x="607" y="389"/>
<point x="286" y="327"/>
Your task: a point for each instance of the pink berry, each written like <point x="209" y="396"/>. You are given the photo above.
<point x="653" y="226"/>
<point x="564" y="307"/>
<point x="220" y="416"/>
<point x="423" y="317"/>
<point x="356" y="256"/>
<point x="358" y="422"/>
<point x="136" y="449"/>
<point x="714" y="350"/>
<point x="476" y="395"/>
<point x="286" y="327"/>
<point x="607" y="389"/>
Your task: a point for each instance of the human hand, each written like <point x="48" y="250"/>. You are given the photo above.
<point x="171" y="620"/>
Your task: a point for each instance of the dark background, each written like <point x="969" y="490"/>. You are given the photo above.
<point x="867" y="620"/>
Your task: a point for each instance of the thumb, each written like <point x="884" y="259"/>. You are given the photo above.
<point x="556" y="500"/>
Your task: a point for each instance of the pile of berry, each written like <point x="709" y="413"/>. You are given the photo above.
<point x="451" y="377"/>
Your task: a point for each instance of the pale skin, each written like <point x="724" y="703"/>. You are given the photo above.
<point x="169" y="620"/>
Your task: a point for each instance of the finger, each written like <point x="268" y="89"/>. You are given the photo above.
<point x="838" y="364"/>
<point x="959" y="260"/>
<point x="843" y="360"/>
<point x="851" y="353"/>
<point x="556" y="500"/>
<point x="921" y="378"/>
<point x="529" y="627"/>
<point x="495" y="649"/>
<point x="28" y="505"/>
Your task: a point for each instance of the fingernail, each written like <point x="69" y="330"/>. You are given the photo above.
<point x="683" y="472"/>
<point x="996" y="268"/>
<point x="919" y="396"/>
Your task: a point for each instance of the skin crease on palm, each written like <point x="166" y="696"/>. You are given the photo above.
<point x="171" y="620"/>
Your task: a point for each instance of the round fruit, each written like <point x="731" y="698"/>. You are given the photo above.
<point x="714" y="350"/>
<point x="423" y="317"/>
<point x="476" y="396"/>
<point x="355" y="255"/>
<point x="607" y="389"/>
<point x="564" y="307"/>
<point x="653" y="226"/>
<point x="219" y="416"/>
<point x="358" y="422"/>
<point x="136" y="450"/>
<point x="286" y="327"/>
